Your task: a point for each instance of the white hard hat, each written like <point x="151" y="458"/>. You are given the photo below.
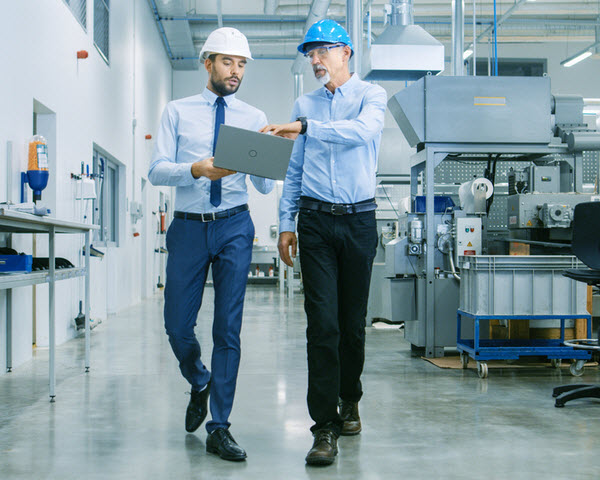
<point x="226" y="41"/>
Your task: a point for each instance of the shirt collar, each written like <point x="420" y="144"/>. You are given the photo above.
<point x="346" y="88"/>
<point x="212" y="97"/>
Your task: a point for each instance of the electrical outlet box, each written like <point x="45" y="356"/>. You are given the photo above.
<point x="468" y="236"/>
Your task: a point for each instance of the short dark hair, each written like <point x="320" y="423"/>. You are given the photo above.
<point x="212" y="57"/>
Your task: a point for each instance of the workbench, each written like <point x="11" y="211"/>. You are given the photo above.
<point x="12" y="221"/>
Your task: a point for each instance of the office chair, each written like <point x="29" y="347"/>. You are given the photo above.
<point x="586" y="246"/>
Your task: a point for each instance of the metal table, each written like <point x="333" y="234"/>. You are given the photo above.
<point x="16" y="222"/>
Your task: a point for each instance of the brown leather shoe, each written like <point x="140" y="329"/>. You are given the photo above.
<point x="324" y="448"/>
<point x="349" y="414"/>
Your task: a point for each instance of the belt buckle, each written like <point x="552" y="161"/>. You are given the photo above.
<point x="337" y="209"/>
<point x="208" y="217"/>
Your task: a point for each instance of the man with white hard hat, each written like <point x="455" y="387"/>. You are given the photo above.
<point x="330" y="186"/>
<point x="211" y="227"/>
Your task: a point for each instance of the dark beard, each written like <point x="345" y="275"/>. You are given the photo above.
<point x="221" y="88"/>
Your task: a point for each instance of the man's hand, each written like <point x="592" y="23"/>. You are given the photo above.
<point x="205" y="168"/>
<point x="287" y="239"/>
<point x="287" y="130"/>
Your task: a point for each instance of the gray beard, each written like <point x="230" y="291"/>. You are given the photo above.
<point x="324" y="79"/>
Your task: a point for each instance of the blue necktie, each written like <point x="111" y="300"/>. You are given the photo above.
<point x="215" y="186"/>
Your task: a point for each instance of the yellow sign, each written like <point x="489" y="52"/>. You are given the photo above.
<point x="490" y="101"/>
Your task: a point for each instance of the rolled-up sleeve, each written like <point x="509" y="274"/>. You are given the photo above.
<point x="164" y="169"/>
<point x="358" y="131"/>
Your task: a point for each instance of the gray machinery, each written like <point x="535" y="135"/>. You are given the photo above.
<point x="472" y="120"/>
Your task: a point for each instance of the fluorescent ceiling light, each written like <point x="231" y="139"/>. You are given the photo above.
<point x="468" y="52"/>
<point x="576" y="59"/>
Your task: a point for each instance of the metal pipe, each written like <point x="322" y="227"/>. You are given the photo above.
<point x="219" y="14"/>
<point x="161" y="29"/>
<point x="402" y="12"/>
<point x="271" y="7"/>
<point x="298" y="85"/>
<point x="354" y="23"/>
<point x="495" y="40"/>
<point x="497" y="22"/>
<point x="474" y="61"/>
<point x="458" y="37"/>
<point x="318" y="11"/>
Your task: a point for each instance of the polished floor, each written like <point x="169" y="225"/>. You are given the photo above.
<point x="124" y="420"/>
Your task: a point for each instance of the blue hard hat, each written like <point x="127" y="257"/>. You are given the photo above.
<point x="323" y="32"/>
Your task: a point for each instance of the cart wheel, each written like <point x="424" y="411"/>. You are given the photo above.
<point x="482" y="369"/>
<point x="464" y="359"/>
<point x="577" y="368"/>
<point x="555" y="362"/>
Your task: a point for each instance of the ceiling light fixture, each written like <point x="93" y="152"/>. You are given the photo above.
<point x="467" y="53"/>
<point x="581" y="55"/>
<point x="569" y="62"/>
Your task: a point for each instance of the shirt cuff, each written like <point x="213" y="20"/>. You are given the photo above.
<point x="287" y="226"/>
<point x="186" y="173"/>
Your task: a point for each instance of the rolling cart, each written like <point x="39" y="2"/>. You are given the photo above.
<point x="482" y="350"/>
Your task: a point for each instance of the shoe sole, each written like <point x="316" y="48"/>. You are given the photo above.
<point x="320" y="460"/>
<point x="225" y="457"/>
<point x="350" y="434"/>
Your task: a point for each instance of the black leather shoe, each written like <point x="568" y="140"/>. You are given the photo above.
<point x="197" y="409"/>
<point x="324" y="448"/>
<point x="222" y="443"/>
<point x="349" y="414"/>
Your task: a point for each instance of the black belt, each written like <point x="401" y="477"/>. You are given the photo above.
<point x="337" y="208"/>
<point x="209" y="217"/>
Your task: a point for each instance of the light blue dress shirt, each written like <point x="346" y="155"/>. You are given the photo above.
<point x="185" y="136"/>
<point x="336" y="159"/>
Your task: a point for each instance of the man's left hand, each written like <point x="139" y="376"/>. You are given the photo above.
<point x="287" y="130"/>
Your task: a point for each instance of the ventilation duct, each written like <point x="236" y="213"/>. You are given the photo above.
<point x="403" y="51"/>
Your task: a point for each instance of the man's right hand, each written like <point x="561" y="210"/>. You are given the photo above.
<point x="205" y="168"/>
<point x="287" y="239"/>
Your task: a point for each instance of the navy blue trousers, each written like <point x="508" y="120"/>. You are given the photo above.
<point x="193" y="246"/>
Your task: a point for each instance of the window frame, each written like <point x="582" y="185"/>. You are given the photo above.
<point x="105" y="207"/>
<point x="106" y="4"/>
<point x="83" y="20"/>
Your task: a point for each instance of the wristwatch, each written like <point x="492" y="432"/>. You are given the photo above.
<point x="304" y="124"/>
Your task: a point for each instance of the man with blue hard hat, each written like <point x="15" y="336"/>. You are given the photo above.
<point x="330" y="184"/>
<point x="212" y="227"/>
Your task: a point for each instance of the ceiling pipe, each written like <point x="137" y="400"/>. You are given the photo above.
<point x="271" y="7"/>
<point x="458" y="37"/>
<point x="354" y="26"/>
<point x="318" y="11"/>
<point x="500" y="21"/>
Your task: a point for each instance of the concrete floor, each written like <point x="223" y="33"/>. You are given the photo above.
<point x="125" y="418"/>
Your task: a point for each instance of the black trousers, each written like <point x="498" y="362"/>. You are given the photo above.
<point x="336" y="258"/>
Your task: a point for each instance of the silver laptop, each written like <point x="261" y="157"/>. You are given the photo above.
<point x="254" y="153"/>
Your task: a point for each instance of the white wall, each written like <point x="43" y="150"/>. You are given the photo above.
<point x="92" y="103"/>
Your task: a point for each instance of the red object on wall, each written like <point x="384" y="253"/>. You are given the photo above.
<point x="82" y="54"/>
<point x="163" y="219"/>
<point x="148" y="137"/>
<point x="136" y="234"/>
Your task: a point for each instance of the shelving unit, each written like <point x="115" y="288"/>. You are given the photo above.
<point x="17" y="222"/>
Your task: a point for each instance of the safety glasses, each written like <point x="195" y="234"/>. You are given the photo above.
<point x="321" y="52"/>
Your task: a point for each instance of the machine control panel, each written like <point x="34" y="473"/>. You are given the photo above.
<point x="468" y="236"/>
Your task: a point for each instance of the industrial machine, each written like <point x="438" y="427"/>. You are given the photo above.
<point x="513" y="158"/>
